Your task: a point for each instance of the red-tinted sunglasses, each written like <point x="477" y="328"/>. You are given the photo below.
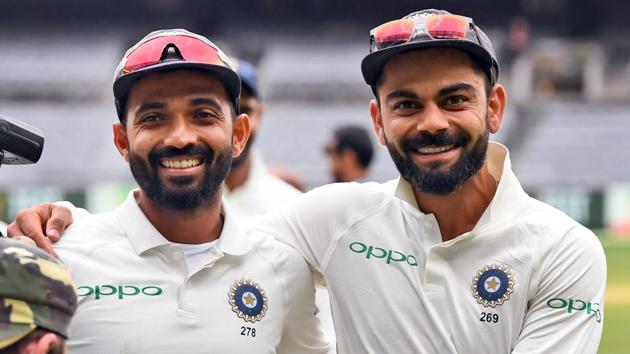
<point x="422" y="28"/>
<point x="192" y="49"/>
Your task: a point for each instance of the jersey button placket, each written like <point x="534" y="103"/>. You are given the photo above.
<point x="187" y="299"/>
<point x="185" y="307"/>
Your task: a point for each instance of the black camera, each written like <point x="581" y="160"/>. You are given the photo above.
<point x="20" y="143"/>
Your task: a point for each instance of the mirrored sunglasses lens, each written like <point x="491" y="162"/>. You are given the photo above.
<point x="393" y="32"/>
<point x="447" y="27"/>
<point x="191" y="49"/>
<point x="145" y="55"/>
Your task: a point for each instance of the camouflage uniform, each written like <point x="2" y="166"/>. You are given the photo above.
<point x="36" y="291"/>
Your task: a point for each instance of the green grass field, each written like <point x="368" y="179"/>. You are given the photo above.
<point x="616" y="338"/>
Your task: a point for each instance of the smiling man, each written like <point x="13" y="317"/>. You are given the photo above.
<point x="169" y="271"/>
<point x="452" y="257"/>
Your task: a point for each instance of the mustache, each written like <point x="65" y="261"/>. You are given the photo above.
<point x="425" y="139"/>
<point x="168" y="152"/>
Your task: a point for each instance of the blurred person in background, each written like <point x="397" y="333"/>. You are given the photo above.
<point x="37" y="300"/>
<point x="453" y="256"/>
<point x="251" y="189"/>
<point x="518" y="40"/>
<point x="169" y="270"/>
<point x="350" y="153"/>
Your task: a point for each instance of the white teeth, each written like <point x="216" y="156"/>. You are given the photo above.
<point x="435" y="150"/>
<point x="181" y="163"/>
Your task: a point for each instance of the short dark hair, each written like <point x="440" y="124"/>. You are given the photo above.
<point x="357" y="139"/>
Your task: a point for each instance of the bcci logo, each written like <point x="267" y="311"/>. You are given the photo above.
<point x="248" y="300"/>
<point x="493" y="285"/>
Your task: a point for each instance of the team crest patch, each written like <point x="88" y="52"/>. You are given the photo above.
<point x="248" y="300"/>
<point x="493" y="285"/>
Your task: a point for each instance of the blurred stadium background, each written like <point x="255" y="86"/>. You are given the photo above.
<point x="566" y="65"/>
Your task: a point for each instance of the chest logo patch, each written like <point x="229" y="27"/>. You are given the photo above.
<point x="248" y="300"/>
<point x="493" y="285"/>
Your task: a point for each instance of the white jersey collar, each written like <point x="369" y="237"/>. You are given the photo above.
<point x="143" y="236"/>
<point x="509" y="190"/>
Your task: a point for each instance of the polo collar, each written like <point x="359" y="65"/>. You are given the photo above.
<point x="143" y="236"/>
<point x="509" y="190"/>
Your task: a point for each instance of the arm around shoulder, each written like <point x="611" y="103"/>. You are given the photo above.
<point x="315" y="219"/>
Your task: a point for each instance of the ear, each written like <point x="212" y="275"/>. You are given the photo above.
<point x="240" y="134"/>
<point x="45" y="344"/>
<point x="496" y="107"/>
<point x="121" y="141"/>
<point x="377" y="121"/>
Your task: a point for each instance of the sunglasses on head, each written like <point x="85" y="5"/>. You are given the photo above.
<point x="418" y="27"/>
<point x="190" y="48"/>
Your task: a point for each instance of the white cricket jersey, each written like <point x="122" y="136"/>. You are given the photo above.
<point x="136" y="294"/>
<point x="261" y="193"/>
<point x="526" y="279"/>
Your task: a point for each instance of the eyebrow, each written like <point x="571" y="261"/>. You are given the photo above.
<point x="462" y="86"/>
<point x="206" y="102"/>
<point x="196" y="102"/>
<point x="457" y="87"/>
<point x="401" y="94"/>
<point x="150" y="105"/>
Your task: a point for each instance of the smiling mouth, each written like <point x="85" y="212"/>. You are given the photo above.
<point x="181" y="164"/>
<point x="428" y="150"/>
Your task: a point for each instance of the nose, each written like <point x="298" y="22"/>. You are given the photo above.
<point x="432" y="120"/>
<point x="181" y="134"/>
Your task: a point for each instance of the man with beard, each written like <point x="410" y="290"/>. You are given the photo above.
<point x="453" y="257"/>
<point x="251" y="188"/>
<point x="169" y="271"/>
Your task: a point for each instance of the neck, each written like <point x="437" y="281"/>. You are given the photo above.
<point x="459" y="212"/>
<point x="199" y="226"/>
<point x="238" y="176"/>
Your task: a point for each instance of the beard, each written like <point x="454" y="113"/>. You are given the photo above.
<point x="180" y="193"/>
<point x="238" y="161"/>
<point x="431" y="179"/>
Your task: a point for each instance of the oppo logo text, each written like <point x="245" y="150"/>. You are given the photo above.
<point x="390" y="256"/>
<point x="575" y="305"/>
<point x="120" y="291"/>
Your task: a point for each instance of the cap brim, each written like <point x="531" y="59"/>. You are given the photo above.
<point x="373" y="63"/>
<point x="11" y="333"/>
<point x="228" y="77"/>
